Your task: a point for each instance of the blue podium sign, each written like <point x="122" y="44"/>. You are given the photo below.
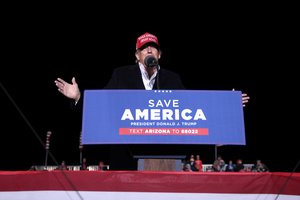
<point x="162" y="117"/>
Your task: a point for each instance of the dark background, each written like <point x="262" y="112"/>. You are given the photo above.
<point x="250" y="50"/>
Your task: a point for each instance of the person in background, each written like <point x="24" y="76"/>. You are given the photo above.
<point x="260" y="167"/>
<point x="218" y="164"/>
<point x="198" y="163"/>
<point x="192" y="163"/>
<point x="222" y="165"/>
<point x="63" y="166"/>
<point x="187" y="167"/>
<point x="84" y="165"/>
<point x="145" y="74"/>
<point x="230" y="167"/>
<point x="239" y="167"/>
<point x="102" y="166"/>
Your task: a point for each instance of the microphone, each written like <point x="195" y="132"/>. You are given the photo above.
<point x="150" y="61"/>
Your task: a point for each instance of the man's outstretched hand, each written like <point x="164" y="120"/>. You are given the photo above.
<point x="70" y="90"/>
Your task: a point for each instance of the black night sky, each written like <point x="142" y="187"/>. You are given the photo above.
<point x="246" y="52"/>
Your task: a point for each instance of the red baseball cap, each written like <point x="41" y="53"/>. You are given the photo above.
<point x="145" y="39"/>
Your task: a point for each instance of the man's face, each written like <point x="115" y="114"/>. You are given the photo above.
<point x="146" y="50"/>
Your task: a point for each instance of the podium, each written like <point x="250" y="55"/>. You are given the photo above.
<point x="160" y="117"/>
<point x="160" y="162"/>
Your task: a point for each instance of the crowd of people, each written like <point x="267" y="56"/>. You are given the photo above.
<point x="219" y="165"/>
<point x="84" y="166"/>
<point x="193" y="164"/>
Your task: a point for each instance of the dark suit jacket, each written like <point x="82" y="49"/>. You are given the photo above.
<point x="129" y="77"/>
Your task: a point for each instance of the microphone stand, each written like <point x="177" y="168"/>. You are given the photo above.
<point x="150" y="61"/>
<point x="157" y="77"/>
<point x="47" y="148"/>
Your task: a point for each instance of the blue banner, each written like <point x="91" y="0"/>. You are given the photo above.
<point x="163" y="117"/>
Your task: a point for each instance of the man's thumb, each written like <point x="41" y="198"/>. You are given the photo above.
<point x="73" y="80"/>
